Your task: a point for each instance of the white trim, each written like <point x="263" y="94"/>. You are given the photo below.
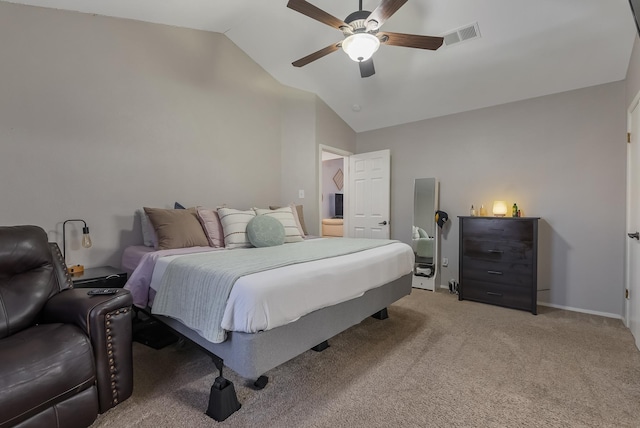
<point x="345" y="190"/>
<point x="627" y="285"/>
<point x="584" y="311"/>
<point x="631" y="107"/>
<point x="627" y="302"/>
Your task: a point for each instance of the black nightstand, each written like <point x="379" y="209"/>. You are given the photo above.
<point x="100" y="277"/>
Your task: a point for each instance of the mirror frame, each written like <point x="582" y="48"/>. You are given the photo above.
<point x="422" y="277"/>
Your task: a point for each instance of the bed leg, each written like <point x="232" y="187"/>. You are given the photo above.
<point x="261" y="382"/>
<point x="321" y="346"/>
<point x="381" y="314"/>
<point x="223" y="401"/>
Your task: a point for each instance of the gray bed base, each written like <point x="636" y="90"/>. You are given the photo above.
<point x="252" y="354"/>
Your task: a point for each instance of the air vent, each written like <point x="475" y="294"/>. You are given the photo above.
<point x="462" y="34"/>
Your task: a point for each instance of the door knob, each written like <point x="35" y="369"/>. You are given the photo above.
<point x="384" y="223"/>
<point x="635" y="235"/>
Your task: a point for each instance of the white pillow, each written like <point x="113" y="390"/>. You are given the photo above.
<point x="234" y="225"/>
<point x="297" y="215"/>
<point x="285" y="216"/>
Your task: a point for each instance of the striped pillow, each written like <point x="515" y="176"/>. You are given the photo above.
<point x="285" y="216"/>
<point x="234" y="225"/>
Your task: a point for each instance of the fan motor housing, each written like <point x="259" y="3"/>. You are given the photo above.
<point x="357" y="19"/>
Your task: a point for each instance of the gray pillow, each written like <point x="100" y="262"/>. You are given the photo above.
<point x="265" y="231"/>
<point x="149" y="237"/>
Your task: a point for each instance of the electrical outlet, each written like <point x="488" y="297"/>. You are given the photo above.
<point x="301" y="194"/>
<point x="445" y="262"/>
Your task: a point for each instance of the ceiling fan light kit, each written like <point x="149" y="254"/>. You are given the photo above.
<point x="360" y="46"/>
<point x="361" y="32"/>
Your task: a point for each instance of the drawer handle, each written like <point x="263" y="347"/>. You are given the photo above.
<point x="491" y="293"/>
<point x="494" y="272"/>
<point x="115" y="275"/>
<point x="496" y="229"/>
<point x="496" y="251"/>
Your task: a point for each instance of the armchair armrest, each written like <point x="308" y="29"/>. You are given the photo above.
<point x="106" y="319"/>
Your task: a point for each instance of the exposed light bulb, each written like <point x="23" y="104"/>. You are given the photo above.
<point x="86" y="239"/>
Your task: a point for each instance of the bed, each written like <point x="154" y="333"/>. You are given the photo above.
<point x="256" y="308"/>
<point x="298" y="306"/>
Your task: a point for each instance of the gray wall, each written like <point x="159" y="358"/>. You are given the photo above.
<point x="100" y="116"/>
<point x="299" y="154"/>
<point x="307" y="123"/>
<point x="560" y="157"/>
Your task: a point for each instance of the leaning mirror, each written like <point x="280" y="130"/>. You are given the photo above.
<point x="425" y="234"/>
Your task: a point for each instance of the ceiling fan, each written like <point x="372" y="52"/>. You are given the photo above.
<point x="361" y="32"/>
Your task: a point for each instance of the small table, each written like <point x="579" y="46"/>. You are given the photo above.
<point x="100" y="277"/>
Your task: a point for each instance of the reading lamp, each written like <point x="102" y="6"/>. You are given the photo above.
<point x="86" y="243"/>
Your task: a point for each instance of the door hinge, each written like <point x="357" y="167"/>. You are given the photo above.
<point x="626" y="293"/>
<point x="628" y="137"/>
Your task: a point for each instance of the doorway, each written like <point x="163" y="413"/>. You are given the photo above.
<point x="333" y="184"/>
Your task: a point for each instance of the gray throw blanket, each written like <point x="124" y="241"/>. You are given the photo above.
<point x="195" y="289"/>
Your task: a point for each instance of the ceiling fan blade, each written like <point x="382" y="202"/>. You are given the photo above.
<point x="318" y="14"/>
<point x="410" y="40"/>
<point x="383" y="12"/>
<point x="366" y="68"/>
<point x="316" y="55"/>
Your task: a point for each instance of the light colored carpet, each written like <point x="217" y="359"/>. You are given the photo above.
<point x="436" y="362"/>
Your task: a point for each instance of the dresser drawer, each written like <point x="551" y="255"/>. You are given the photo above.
<point x="499" y="251"/>
<point x="498" y="229"/>
<point x="513" y="274"/>
<point x="497" y="294"/>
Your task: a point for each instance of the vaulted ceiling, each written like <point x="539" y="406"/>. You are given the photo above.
<point x="525" y="49"/>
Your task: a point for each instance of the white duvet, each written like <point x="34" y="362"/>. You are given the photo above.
<point x="276" y="297"/>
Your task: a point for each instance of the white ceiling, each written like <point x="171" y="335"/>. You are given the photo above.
<point x="527" y="48"/>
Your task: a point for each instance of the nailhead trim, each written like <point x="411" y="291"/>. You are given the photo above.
<point x="112" y="366"/>
<point x="67" y="277"/>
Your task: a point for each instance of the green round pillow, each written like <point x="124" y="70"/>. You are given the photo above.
<point x="265" y="231"/>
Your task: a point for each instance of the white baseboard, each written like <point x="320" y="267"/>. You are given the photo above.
<point x="584" y="311"/>
<point x="566" y="308"/>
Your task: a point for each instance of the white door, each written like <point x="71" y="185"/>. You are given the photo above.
<point x="369" y="195"/>
<point x="633" y="226"/>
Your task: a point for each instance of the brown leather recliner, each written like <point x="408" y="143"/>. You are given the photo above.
<point x="65" y="356"/>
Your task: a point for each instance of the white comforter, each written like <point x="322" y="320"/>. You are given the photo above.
<point x="273" y="298"/>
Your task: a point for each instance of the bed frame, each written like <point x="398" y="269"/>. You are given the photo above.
<point x="253" y="354"/>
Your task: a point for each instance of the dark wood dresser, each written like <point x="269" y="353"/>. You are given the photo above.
<point x="498" y="261"/>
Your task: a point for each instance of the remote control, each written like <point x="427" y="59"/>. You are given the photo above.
<point x="101" y="291"/>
